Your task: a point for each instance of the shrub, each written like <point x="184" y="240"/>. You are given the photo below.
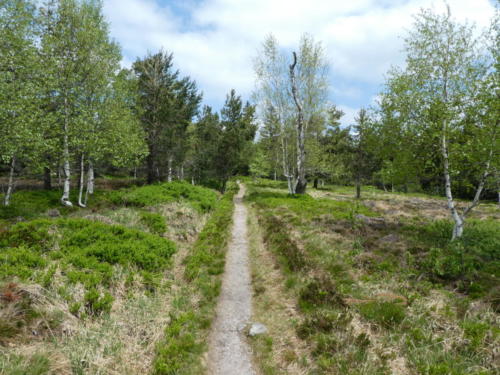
<point x="95" y="304"/>
<point x="155" y="222"/>
<point x="473" y="262"/>
<point x="86" y="251"/>
<point x="386" y="314"/>
<point x="320" y="292"/>
<point x="199" y="197"/>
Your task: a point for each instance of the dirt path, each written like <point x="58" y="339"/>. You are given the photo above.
<point x="229" y="353"/>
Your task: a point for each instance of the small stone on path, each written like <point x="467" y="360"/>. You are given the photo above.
<point x="257" y="329"/>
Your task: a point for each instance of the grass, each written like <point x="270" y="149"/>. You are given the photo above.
<point x="201" y="198"/>
<point x="96" y="285"/>
<point x="184" y="341"/>
<point x="26" y="204"/>
<point x="85" y="252"/>
<point x="387" y="295"/>
<point x="472" y="264"/>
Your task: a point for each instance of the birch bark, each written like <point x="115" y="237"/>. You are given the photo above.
<point x="10" y="185"/>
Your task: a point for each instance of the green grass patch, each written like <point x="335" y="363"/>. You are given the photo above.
<point x="179" y="352"/>
<point x="155" y="222"/>
<point x="385" y="314"/>
<point x="201" y="198"/>
<point x="472" y="263"/>
<point x="84" y="251"/>
<point x="308" y="207"/>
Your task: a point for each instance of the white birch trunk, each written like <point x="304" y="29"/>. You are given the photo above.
<point x="66" y="167"/>
<point x="10" y="185"/>
<point x="169" y="174"/>
<point x="286" y="169"/>
<point x="458" y="220"/>
<point x="91" y="178"/>
<point x="301" y="182"/>
<point x="90" y="182"/>
<point x="82" y="181"/>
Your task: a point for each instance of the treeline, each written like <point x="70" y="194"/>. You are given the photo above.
<point x="67" y="108"/>
<point x="434" y="128"/>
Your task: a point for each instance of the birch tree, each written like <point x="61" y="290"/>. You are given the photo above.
<point x="446" y="79"/>
<point x="65" y="50"/>
<point x="19" y="71"/>
<point x="296" y="86"/>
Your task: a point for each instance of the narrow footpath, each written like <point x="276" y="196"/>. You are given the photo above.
<point x="229" y="353"/>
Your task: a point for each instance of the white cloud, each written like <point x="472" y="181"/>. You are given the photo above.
<point x="215" y="40"/>
<point x="349" y="115"/>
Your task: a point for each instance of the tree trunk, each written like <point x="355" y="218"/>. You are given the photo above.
<point x="82" y="181"/>
<point x="358" y="188"/>
<point x="275" y="175"/>
<point x="59" y="181"/>
<point x="47" y="180"/>
<point x="286" y="169"/>
<point x="181" y="174"/>
<point x="301" y="182"/>
<point x="66" y="167"/>
<point x="151" y="168"/>
<point x="90" y="182"/>
<point x="169" y="166"/>
<point x="315" y="183"/>
<point x="457" y="219"/>
<point x="10" y="185"/>
<point x="91" y="178"/>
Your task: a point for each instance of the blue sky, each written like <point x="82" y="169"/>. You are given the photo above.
<point x="214" y="41"/>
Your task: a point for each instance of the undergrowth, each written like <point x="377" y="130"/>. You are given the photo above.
<point x="374" y="293"/>
<point x="179" y="352"/>
<point x="199" y="197"/>
<point x="85" y="252"/>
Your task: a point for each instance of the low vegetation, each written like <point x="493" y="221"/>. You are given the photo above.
<point x="378" y="294"/>
<point x="91" y="290"/>
<point x="180" y="351"/>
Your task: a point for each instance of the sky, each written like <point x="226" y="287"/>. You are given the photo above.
<point x="215" y="41"/>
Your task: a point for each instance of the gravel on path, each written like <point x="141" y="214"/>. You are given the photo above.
<point x="229" y="353"/>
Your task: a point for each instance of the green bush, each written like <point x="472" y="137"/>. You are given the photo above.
<point x="386" y="314"/>
<point x="155" y="222"/>
<point x="86" y="251"/>
<point x="95" y="304"/>
<point x="472" y="262"/>
<point x="199" y="197"/>
<point x="30" y="204"/>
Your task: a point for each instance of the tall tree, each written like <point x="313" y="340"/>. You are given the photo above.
<point x="168" y="104"/>
<point x="445" y="77"/>
<point x="296" y="87"/>
<point x="20" y="131"/>
<point x="237" y="131"/>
